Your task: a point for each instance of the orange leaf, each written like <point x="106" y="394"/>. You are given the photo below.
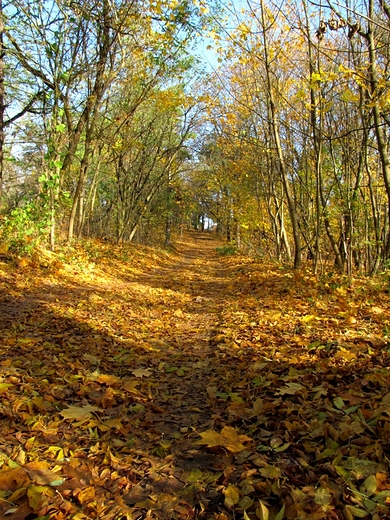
<point x="107" y="379"/>
<point x="12" y="479"/>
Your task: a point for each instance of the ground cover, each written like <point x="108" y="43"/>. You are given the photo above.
<point x="136" y="383"/>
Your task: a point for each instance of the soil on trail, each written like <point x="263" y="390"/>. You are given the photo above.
<point x="140" y="384"/>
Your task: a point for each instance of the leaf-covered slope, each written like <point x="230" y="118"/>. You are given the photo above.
<point x="137" y="384"/>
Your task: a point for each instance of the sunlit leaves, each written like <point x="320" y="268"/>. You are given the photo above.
<point x="228" y="438"/>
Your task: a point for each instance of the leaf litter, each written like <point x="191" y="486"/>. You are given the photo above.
<point x="143" y="384"/>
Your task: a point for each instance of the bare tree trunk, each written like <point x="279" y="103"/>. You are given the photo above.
<point x="276" y="135"/>
<point x="321" y="202"/>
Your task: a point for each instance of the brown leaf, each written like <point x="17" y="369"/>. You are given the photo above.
<point x="40" y="474"/>
<point x="12" y="479"/>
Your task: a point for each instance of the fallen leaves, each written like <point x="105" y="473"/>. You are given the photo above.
<point x="213" y="388"/>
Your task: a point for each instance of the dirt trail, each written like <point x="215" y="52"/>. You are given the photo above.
<point x="196" y="288"/>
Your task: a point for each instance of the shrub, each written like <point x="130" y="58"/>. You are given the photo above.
<point x="24" y="228"/>
<point x="226" y="250"/>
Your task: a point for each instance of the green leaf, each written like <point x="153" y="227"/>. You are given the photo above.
<point x="351" y="409"/>
<point x="356" y="511"/>
<point x="370" y="484"/>
<point x="270" y="472"/>
<point x="282" y="448"/>
<point x="195" y="476"/>
<point x="339" y="403"/>
<point x="280" y="515"/>
<point x="57" y="482"/>
<point x="60" y="128"/>
<point x="382" y="496"/>
<point x="245" y="503"/>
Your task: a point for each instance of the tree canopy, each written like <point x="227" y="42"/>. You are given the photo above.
<point x="112" y="127"/>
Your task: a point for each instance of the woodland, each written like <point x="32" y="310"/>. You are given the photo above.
<point x="194" y="260"/>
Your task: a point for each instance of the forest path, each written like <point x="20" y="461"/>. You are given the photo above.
<point x="140" y="384"/>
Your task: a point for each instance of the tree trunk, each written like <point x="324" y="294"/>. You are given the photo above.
<point x="276" y="135"/>
<point x="378" y="127"/>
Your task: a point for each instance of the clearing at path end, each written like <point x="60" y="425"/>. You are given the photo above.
<point x="140" y="384"/>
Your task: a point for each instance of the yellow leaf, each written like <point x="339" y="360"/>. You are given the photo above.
<point x="211" y="438"/>
<point x="308" y="318"/>
<point x="322" y="496"/>
<point x="13" y="478"/>
<point x="243" y="28"/>
<point x="263" y="511"/>
<point x="35" y="494"/>
<point x="232" y="440"/>
<point x="346" y="355"/>
<point x="86" y="495"/>
<point x="350" y="96"/>
<point x="228" y="438"/>
<point x="377" y="310"/>
<point x="291" y="388"/>
<point x="232" y="496"/>
<point x="112" y="424"/>
<point x="4" y="387"/>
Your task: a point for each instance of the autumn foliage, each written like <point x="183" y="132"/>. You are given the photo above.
<point x="141" y="384"/>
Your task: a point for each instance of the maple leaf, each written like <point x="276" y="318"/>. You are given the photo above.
<point x="291" y="388"/>
<point x="229" y="438"/>
<point x="78" y="413"/>
<point x="142" y="372"/>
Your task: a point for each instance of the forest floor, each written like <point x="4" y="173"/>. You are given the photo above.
<point x="136" y="383"/>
